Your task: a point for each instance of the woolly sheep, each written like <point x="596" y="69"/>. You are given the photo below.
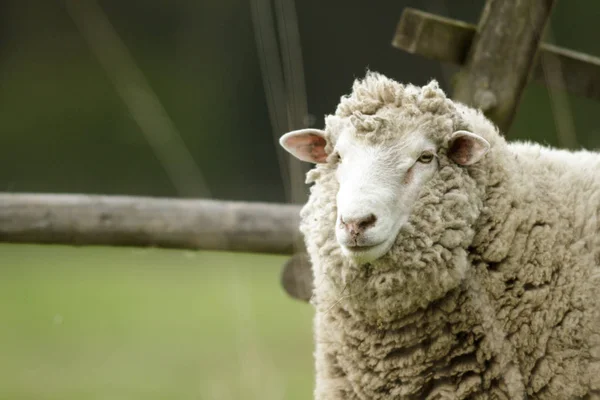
<point x="447" y="262"/>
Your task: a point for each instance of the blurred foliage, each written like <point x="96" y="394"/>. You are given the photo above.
<point x="64" y="129"/>
<point x="98" y="323"/>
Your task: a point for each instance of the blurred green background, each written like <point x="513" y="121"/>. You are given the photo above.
<point x="105" y="323"/>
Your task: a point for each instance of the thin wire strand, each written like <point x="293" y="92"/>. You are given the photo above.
<point x="283" y="80"/>
<point x="297" y="104"/>
<point x="139" y="98"/>
<point x="272" y="78"/>
<point x="559" y="100"/>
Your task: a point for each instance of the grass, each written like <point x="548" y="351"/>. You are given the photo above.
<point x="118" y="323"/>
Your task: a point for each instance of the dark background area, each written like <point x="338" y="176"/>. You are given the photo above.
<point x="65" y="129"/>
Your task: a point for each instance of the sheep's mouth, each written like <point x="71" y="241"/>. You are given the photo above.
<point x="360" y="248"/>
<point x="366" y="253"/>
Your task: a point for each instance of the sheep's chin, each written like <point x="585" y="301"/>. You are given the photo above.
<point x="367" y="254"/>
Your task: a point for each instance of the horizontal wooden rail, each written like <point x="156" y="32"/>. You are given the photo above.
<point x="145" y="221"/>
<point x="449" y="40"/>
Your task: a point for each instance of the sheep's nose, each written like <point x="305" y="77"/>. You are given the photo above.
<point x="356" y="226"/>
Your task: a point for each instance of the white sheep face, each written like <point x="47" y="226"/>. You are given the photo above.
<point x="378" y="186"/>
<point x="378" y="183"/>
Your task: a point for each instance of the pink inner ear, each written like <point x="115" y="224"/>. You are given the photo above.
<point x="462" y="150"/>
<point x="309" y="147"/>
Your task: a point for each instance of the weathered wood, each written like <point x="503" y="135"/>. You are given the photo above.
<point x="143" y="221"/>
<point x="501" y="57"/>
<point x="448" y="40"/>
<point x="297" y="277"/>
<point x="580" y="72"/>
<point x="434" y="37"/>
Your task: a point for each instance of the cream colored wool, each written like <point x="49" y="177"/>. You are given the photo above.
<point x="491" y="289"/>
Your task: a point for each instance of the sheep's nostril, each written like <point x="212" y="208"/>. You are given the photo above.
<point x="367" y="222"/>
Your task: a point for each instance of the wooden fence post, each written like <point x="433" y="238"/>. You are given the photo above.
<point x="501" y="56"/>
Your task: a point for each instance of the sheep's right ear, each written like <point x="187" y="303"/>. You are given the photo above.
<point x="306" y="145"/>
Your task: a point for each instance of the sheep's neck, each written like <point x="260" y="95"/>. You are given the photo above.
<point x="422" y="351"/>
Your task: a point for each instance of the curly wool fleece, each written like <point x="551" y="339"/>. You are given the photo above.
<point x="490" y="290"/>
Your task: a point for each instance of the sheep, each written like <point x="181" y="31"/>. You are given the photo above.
<point x="447" y="262"/>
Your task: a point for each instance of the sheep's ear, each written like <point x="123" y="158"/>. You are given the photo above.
<point x="467" y="148"/>
<point x="306" y="145"/>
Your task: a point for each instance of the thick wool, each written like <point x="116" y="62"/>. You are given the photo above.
<point x="491" y="289"/>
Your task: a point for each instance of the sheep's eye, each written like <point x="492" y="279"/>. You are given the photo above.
<point x="426" y="157"/>
<point x="338" y="157"/>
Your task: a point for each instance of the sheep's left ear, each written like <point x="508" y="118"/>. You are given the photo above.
<point x="467" y="148"/>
